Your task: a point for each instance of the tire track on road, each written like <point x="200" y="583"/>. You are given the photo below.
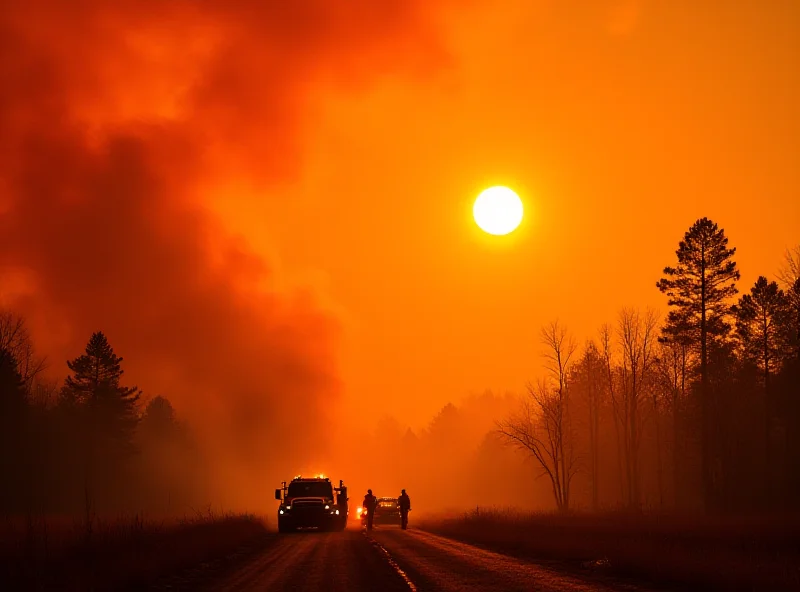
<point x="392" y="562"/>
<point x="339" y="562"/>
<point x="441" y="564"/>
<point x="267" y="566"/>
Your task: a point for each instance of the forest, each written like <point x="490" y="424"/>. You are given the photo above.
<point x="66" y="446"/>
<point x="698" y="410"/>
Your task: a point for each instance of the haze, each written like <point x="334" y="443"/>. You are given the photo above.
<point x="267" y="209"/>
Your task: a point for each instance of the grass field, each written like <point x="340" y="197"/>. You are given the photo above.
<point x="688" y="552"/>
<point x="114" y="553"/>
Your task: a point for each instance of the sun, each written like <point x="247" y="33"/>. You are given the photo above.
<point x="498" y="210"/>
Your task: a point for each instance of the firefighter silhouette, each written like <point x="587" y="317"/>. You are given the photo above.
<point x="369" y="505"/>
<point x="405" y="506"/>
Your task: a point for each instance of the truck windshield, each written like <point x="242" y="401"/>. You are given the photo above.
<point x="310" y="489"/>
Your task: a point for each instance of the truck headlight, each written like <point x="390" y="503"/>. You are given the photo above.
<point x="327" y="506"/>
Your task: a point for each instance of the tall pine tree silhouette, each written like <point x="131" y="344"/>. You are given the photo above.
<point x="763" y="326"/>
<point x="94" y="388"/>
<point x="699" y="290"/>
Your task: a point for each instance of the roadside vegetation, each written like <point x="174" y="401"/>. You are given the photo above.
<point x="126" y="553"/>
<point x="691" y="552"/>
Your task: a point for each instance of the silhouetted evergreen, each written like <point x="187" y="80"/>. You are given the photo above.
<point x="13" y="433"/>
<point x="159" y="418"/>
<point x="86" y="448"/>
<point x="699" y="289"/>
<point x="740" y="394"/>
<point x="763" y="326"/>
<point x="764" y="332"/>
<point x="108" y="409"/>
<point x="13" y="401"/>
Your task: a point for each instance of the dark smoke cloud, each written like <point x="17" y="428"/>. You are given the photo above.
<point x="115" y="118"/>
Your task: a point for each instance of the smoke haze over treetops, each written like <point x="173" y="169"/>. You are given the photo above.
<point x="116" y="122"/>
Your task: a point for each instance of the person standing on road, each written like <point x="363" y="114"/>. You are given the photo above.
<point x="405" y="507"/>
<point x="369" y="505"/>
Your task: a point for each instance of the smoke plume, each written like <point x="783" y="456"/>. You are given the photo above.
<point x="116" y="121"/>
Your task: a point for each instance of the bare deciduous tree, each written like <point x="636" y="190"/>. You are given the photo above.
<point x="15" y="339"/>
<point x="590" y="377"/>
<point x="674" y="365"/>
<point x="627" y="381"/>
<point x="44" y="393"/>
<point x="789" y="272"/>
<point x="657" y="398"/>
<point x="789" y="275"/>
<point x="611" y="382"/>
<point x="542" y="426"/>
<point x="637" y="336"/>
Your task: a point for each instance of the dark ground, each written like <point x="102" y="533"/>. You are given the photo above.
<point x="387" y="560"/>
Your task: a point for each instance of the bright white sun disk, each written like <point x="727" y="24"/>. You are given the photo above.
<point x="498" y="210"/>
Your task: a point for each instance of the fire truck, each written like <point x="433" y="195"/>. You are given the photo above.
<point x="311" y="502"/>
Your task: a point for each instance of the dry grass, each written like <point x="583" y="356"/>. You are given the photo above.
<point x="130" y="552"/>
<point x="690" y="552"/>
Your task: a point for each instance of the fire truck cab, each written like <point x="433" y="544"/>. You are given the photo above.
<point x="311" y="502"/>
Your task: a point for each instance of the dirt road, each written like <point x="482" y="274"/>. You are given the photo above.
<point x="387" y="560"/>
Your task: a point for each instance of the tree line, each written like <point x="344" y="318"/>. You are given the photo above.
<point x="698" y="410"/>
<point x="91" y="439"/>
<point x="454" y="462"/>
<point x="93" y="443"/>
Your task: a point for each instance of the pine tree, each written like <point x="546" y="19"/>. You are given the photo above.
<point x="94" y="387"/>
<point x="159" y="418"/>
<point x="762" y="326"/>
<point x="699" y="290"/>
<point x="764" y="330"/>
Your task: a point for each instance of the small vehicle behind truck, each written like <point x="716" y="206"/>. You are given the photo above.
<point x="312" y="502"/>
<point x="387" y="511"/>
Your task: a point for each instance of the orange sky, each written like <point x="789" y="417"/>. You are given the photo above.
<point x="346" y="142"/>
<point x="619" y="123"/>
